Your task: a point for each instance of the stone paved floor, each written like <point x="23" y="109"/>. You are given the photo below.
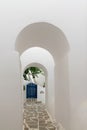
<point x="36" y="116"/>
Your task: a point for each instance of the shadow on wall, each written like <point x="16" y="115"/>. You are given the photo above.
<point x="51" y="38"/>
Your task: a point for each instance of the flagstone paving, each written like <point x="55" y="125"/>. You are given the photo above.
<point x="36" y="116"/>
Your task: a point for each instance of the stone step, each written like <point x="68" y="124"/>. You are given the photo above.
<point x="36" y="116"/>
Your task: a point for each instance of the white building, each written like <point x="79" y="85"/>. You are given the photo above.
<point x="59" y="27"/>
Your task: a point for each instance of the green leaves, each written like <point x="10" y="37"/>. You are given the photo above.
<point x="32" y="71"/>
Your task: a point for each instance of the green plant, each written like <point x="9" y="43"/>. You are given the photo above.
<point x="32" y="72"/>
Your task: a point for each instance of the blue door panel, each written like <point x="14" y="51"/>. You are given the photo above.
<point x="31" y="90"/>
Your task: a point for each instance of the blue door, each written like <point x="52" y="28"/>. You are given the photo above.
<point x="31" y="90"/>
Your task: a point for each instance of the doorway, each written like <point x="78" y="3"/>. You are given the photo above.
<point x="34" y="83"/>
<point x="42" y="39"/>
<point x="31" y="91"/>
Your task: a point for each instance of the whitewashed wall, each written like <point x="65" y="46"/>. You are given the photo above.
<point x="10" y="93"/>
<point x="70" y="16"/>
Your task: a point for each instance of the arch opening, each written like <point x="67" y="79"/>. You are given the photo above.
<point x="51" y="38"/>
<point x="35" y="75"/>
<point x="33" y="57"/>
<point x="44" y="35"/>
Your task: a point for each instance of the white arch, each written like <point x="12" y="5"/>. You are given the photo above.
<point x="36" y="54"/>
<point x="34" y="64"/>
<point x="45" y="35"/>
<point x="51" y="38"/>
<point x="42" y="58"/>
<point x="44" y="78"/>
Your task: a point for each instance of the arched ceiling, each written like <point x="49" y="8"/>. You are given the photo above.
<point x="43" y="35"/>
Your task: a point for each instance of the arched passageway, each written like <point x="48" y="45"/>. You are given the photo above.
<point x="33" y="57"/>
<point x="51" y="38"/>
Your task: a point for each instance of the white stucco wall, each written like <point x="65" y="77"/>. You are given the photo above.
<point x="10" y="93"/>
<point x="41" y="94"/>
<point x="70" y="16"/>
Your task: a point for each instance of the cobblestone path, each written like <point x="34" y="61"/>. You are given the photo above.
<point x="36" y="116"/>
